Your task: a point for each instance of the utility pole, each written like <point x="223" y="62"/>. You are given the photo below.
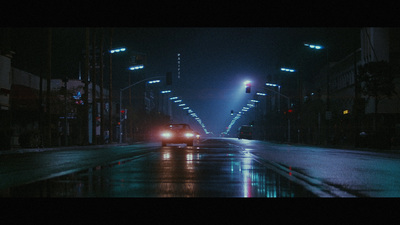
<point x="328" y="113"/>
<point x="86" y="90"/>
<point x="357" y="98"/>
<point x="65" y="80"/>
<point x="101" y="90"/>
<point x="48" y="133"/>
<point x="41" y="112"/>
<point x="93" y="79"/>
<point x="110" y="94"/>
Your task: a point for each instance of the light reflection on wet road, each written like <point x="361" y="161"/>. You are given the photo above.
<point x="207" y="170"/>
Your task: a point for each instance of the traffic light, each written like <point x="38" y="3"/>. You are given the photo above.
<point x="231" y="112"/>
<point x="248" y="87"/>
<point x="290" y="113"/>
<point x="122" y="117"/>
<point x="168" y="78"/>
<point x="124" y="114"/>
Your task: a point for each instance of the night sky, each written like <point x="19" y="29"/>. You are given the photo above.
<point x="214" y="61"/>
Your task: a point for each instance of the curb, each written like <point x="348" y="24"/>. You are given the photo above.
<point x="28" y="150"/>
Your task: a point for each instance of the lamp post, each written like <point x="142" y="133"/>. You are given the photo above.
<point x="328" y="113"/>
<point x="290" y="70"/>
<point x="112" y="51"/>
<point x="150" y="81"/>
<point x="279" y="90"/>
<point x="299" y="96"/>
<point x="288" y="105"/>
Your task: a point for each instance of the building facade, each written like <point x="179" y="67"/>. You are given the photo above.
<point x="337" y="112"/>
<point x="23" y="111"/>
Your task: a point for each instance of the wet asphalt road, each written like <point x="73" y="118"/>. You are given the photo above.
<point x="212" y="168"/>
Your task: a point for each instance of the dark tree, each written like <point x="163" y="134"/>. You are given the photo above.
<point x="377" y="81"/>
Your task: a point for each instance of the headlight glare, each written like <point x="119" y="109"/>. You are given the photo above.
<point x="189" y="135"/>
<point x="166" y="134"/>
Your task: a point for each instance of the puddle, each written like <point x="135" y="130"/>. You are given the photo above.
<point x="171" y="172"/>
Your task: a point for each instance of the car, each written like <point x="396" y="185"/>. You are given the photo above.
<point x="177" y="134"/>
<point x="245" y="131"/>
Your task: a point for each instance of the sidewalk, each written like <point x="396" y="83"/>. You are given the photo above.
<point x="26" y="150"/>
<point x="351" y="147"/>
<point x="395" y="149"/>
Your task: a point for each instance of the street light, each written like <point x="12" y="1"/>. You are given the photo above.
<point x="279" y="90"/>
<point x="288" y="106"/>
<point x="165" y="92"/>
<point x="298" y="82"/>
<point x="272" y="85"/>
<point x="153" y="81"/>
<point x="112" y="51"/>
<point x="328" y="113"/>
<point x="138" y="67"/>
<point x="288" y="70"/>
<point x="120" y="102"/>
<point x="314" y="46"/>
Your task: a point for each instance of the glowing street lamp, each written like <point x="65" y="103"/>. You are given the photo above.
<point x="288" y="70"/>
<point x="112" y="51"/>
<point x="279" y="90"/>
<point x="153" y="81"/>
<point x="247" y="84"/>
<point x="138" y="67"/>
<point x="328" y="111"/>
<point x="272" y="85"/>
<point x="314" y="46"/>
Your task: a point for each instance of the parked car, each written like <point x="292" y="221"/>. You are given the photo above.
<point x="177" y="133"/>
